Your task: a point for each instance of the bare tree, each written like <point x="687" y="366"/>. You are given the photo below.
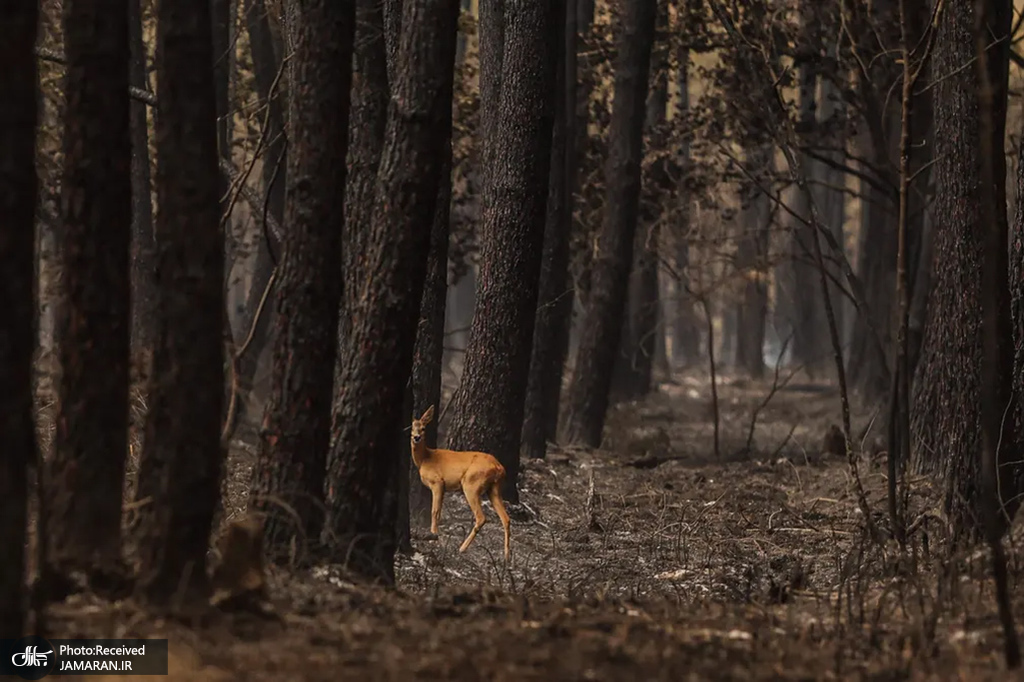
<point x="18" y="193"/>
<point x="947" y="409"/>
<point x="635" y="360"/>
<point x="143" y="256"/>
<point x="601" y="327"/>
<point x="291" y="464"/>
<point x="93" y="326"/>
<point x="377" y="358"/>
<point x="489" y="404"/>
<point x="555" y="298"/>
<point x="179" y="474"/>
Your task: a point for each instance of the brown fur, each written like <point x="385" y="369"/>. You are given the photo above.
<point x="448" y="470"/>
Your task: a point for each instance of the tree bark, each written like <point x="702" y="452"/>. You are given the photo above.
<point x="631" y="378"/>
<point x="428" y="355"/>
<point x="946" y="410"/>
<point x="377" y="359"/>
<point x="876" y="266"/>
<point x="367" y="122"/>
<point x="490" y="402"/>
<point x="143" y="258"/>
<point x="752" y="261"/>
<point x="589" y="391"/>
<point x="266" y="64"/>
<point x="93" y="325"/>
<point x="554" y="298"/>
<point x="181" y="464"/>
<point x="685" y="330"/>
<point x="290" y="467"/>
<point x="18" y="193"/>
<point x="806" y="306"/>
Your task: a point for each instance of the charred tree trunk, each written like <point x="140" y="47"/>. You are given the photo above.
<point x="143" y="257"/>
<point x="220" y="24"/>
<point x="685" y="329"/>
<point x="490" y="402"/>
<point x="428" y="354"/>
<point x="876" y="267"/>
<point x="601" y="328"/>
<point x="806" y="307"/>
<point x="366" y="139"/>
<point x="181" y="463"/>
<point x="377" y="359"/>
<point x="752" y="261"/>
<point x="266" y="64"/>
<point x="580" y="246"/>
<point x="946" y="411"/>
<point x="631" y="378"/>
<point x="18" y="193"/>
<point x="292" y="458"/>
<point x="93" y="326"/>
<point x="554" y="297"/>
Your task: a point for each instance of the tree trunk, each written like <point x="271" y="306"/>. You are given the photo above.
<point x="829" y="195"/>
<point x="601" y="328"/>
<point x="752" y="261"/>
<point x="868" y="364"/>
<point x="292" y="458"/>
<point x="143" y="257"/>
<point x="876" y="267"/>
<point x="946" y="409"/>
<point x="428" y="356"/>
<point x="368" y="119"/>
<point x="18" y="193"/>
<point x="182" y="460"/>
<point x="806" y="306"/>
<point x="491" y="399"/>
<point x="554" y="298"/>
<point x="266" y="64"/>
<point x="220" y="18"/>
<point x="377" y="359"/>
<point x="93" y="325"/>
<point x="685" y="330"/>
<point x="631" y="378"/>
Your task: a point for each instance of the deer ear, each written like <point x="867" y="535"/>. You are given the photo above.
<point x="428" y="415"/>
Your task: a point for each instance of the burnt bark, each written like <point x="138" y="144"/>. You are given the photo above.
<point x="182" y="459"/>
<point x="143" y="257"/>
<point x="554" y="295"/>
<point x="685" y="329"/>
<point x="806" y="312"/>
<point x="291" y="463"/>
<point x="634" y="362"/>
<point x="601" y="328"/>
<point x="220" y="23"/>
<point x="752" y="261"/>
<point x="93" y="322"/>
<point x="428" y="355"/>
<point x="948" y="400"/>
<point x="18" y="193"/>
<point x="367" y="122"/>
<point x="377" y="359"/>
<point x="490" y="402"/>
<point x="266" y="64"/>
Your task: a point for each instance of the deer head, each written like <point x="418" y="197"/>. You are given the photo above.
<point x="419" y="426"/>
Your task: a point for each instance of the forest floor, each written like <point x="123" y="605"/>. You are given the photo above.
<point x="652" y="559"/>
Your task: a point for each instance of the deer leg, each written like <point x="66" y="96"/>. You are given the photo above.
<point x="437" y="495"/>
<point x="472" y="492"/>
<point x="499" y="508"/>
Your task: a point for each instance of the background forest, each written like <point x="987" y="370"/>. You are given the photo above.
<point x="732" y="290"/>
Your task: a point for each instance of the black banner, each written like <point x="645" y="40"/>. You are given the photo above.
<point x="33" y="658"/>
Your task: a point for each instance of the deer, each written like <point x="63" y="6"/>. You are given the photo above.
<point x="447" y="470"/>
